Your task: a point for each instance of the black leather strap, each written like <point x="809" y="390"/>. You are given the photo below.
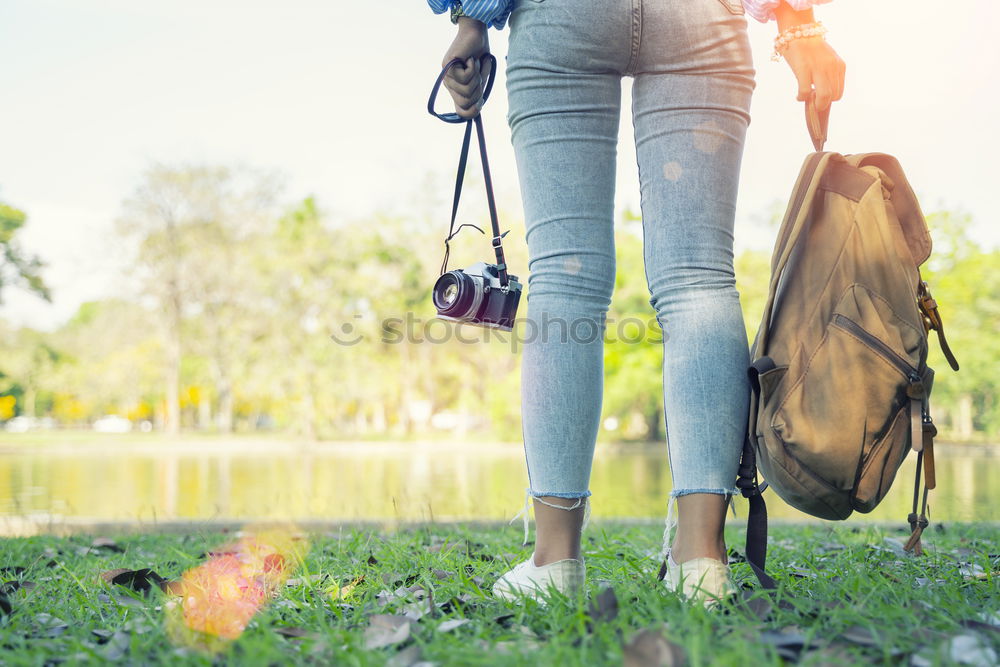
<point x="756" y="544"/>
<point x="463" y="160"/>
<point x="746" y="482"/>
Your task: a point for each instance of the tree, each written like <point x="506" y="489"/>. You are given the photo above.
<point x="965" y="281"/>
<point x="633" y="353"/>
<point x="191" y="222"/>
<point x="29" y="358"/>
<point x="110" y="362"/>
<point x="16" y="267"/>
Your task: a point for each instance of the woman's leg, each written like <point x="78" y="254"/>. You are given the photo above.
<point x="564" y="91"/>
<point x="691" y="98"/>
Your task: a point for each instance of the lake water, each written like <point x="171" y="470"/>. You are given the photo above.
<point x="193" y="480"/>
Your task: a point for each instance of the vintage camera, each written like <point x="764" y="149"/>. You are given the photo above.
<point x="477" y="295"/>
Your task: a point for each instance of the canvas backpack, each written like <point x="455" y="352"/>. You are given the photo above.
<point x="839" y="375"/>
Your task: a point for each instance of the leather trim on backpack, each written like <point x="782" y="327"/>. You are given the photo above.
<point x="846" y="180"/>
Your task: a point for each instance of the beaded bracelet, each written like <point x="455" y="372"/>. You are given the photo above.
<point x="782" y="41"/>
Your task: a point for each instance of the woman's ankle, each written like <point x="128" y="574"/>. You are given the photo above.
<point x="700" y="527"/>
<point x="682" y="552"/>
<point x="558" y="525"/>
<point x="546" y="556"/>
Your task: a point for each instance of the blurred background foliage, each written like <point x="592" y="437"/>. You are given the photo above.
<point x="238" y="301"/>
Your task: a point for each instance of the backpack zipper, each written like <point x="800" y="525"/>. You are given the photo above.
<point x="880" y="347"/>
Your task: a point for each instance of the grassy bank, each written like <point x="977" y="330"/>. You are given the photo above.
<point x="849" y="596"/>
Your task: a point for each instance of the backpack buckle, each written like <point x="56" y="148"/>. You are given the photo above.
<point x="931" y="317"/>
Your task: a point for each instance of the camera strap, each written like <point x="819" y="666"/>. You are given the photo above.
<point x="463" y="161"/>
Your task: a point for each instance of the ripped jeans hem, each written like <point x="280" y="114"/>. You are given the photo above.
<point x="571" y="496"/>
<point x="677" y="493"/>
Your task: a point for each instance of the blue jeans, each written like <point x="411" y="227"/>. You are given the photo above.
<point x="693" y="79"/>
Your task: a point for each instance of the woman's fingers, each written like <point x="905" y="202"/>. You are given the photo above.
<point x="824" y="90"/>
<point x="818" y="71"/>
<point x="471" y="90"/>
<point x="841" y="70"/>
<point x="829" y="82"/>
<point x="805" y="79"/>
<point x="464" y="81"/>
<point x="466" y="87"/>
<point x="463" y="73"/>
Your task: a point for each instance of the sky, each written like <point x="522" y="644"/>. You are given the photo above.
<point x="331" y="95"/>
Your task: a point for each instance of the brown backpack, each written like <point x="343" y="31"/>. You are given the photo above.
<point x="839" y="374"/>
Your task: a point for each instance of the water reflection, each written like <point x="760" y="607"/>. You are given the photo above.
<point x="391" y="481"/>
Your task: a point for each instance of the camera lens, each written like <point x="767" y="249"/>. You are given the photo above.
<point x="450" y="294"/>
<point x="457" y="295"/>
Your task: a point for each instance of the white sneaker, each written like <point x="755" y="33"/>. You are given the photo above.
<point x="704" y="580"/>
<point x="527" y="579"/>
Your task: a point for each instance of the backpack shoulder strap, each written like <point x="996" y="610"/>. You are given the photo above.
<point x="795" y="220"/>
<point x="796" y="217"/>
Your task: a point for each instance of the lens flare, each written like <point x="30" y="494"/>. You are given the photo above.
<point x="215" y="601"/>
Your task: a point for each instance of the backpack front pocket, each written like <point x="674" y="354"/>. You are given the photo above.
<point x="838" y="418"/>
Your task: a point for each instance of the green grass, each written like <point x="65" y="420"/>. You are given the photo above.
<point x="848" y="596"/>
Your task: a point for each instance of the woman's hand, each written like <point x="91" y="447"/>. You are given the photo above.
<point x="816" y="66"/>
<point x="466" y="82"/>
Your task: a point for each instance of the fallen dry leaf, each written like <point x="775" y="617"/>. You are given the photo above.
<point x="523" y="630"/>
<point x="451" y="624"/>
<point x="651" y="648"/>
<point x="102" y="635"/>
<point x="48" y="626"/>
<point x="803" y="573"/>
<point x="385" y="597"/>
<point x="896" y="547"/>
<point x="292" y="632"/>
<point x="758" y="605"/>
<point x="13" y="586"/>
<point x="418" y="609"/>
<point x="126" y="599"/>
<point x="386" y="629"/>
<point x="859" y="634"/>
<point x="106" y="544"/>
<point x="972" y="649"/>
<point x="787" y="642"/>
<point x="108" y="575"/>
<point x="505" y="647"/>
<point x="141" y="581"/>
<point x="973" y="624"/>
<point x="463" y="601"/>
<point x="443" y="548"/>
<point x="116" y="646"/>
<point x="503" y="620"/>
<point x="408" y="657"/>
<point x="603" y="609"/>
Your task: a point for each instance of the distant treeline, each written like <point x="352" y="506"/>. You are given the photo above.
<point x="247" y="315"/>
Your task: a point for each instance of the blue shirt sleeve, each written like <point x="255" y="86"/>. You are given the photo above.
<point x="493" y="13"/>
